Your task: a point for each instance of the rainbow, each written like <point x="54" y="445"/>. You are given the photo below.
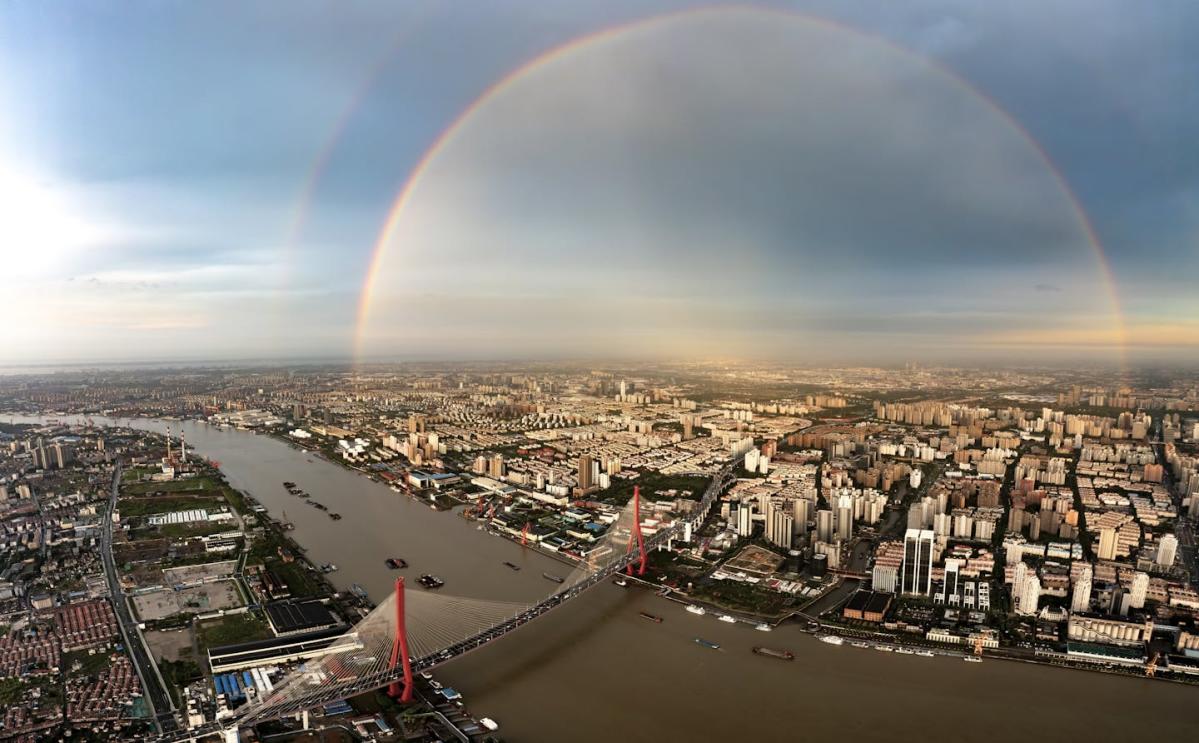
<point x="557" y="53"/>
<point x="320" y="164"/>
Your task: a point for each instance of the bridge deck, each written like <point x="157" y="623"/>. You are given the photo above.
<point x="321" y="695"/>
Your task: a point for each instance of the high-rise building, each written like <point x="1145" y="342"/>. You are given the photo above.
<point x="884" y="578"/>
<point x="1139" y="590"/>
<point x="745" y="520"/>
<point x="688" y="422"/>
<point x="844" y="520"/>
<point x="1019" y="577"/>
<point x="802" y="513"/>
<point x="1107" y="544"/>
<point x="824" y="525"/>
<point x="915" y="478"/>
<point x="585" y="481"/>
<point x="952" y="586"/>
<point x="1030" y="595"/>
<point x="917" y="562"/>
<point x="61" y="455"/>
<point x="780" y="527"/>
<point x="1080" y="601"/>
<point x="1167" y="549"/>
<point x="942" y="524"/>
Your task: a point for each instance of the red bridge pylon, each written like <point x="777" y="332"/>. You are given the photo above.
<point x="636" y="534"/>
<point x="399" y="651"/>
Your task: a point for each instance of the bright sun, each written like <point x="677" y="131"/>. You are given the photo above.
<point x="39" y="230"/>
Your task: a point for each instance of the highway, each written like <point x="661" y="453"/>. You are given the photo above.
<point x="161" y="705"/>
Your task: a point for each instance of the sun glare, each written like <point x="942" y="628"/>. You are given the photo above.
<point x="39" y="228"/>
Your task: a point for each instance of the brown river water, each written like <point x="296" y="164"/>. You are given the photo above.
<point x="594" y="670"/>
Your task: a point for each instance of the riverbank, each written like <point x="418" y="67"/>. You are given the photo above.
<point x="380" y="525"/>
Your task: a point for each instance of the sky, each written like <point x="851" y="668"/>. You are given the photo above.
<point x="822" y="182"/>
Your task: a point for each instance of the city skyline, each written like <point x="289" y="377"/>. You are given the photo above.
<point x="828" y="185"/>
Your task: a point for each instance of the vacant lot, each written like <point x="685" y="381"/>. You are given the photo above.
<point x="194" y="600"/>
<point x="193" y="573"/>
<point x="170" y="645"/>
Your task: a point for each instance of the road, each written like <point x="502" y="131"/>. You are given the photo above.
<point x="161" y="705"/>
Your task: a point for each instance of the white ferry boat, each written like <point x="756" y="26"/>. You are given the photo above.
<point x="696" y="609"/>
<point x="926" y="653"/>
<point x="763" y="627"/>
<point x="727" y="618"/>
<point x="832" y="640"/>
<point x="972" y="659"/>
<point x="905" y="651"/>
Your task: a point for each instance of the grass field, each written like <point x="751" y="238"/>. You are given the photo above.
<point x="89" y="664"/>
<point x="165" y="504"/>
<point x="232" y="629"/>
<point x="299" y="579"/>
<point x="192" y="485"/>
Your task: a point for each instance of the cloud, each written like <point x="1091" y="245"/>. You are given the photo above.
<point x="761" y="172"/>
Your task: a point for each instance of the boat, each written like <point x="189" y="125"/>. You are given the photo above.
<point x="727" y="618"/>
<point x="359" y="591"/>
<point x="554" y="578"/>
<point x="885" y="648"/>
<point x="772" y="653"/>
<point x="651" y="617"/>
<point x="763" y="627"/>
<point x="430" y="581"/>
<point x="707" y="643"/>
<point x="512" y="565"/>
<point x="905" y="651"/>
<point x="288" y="485"/>
<point x="972" y="659"/>
<point x="832" y="640"/>
<point x="620" y="582"/>
<point x="925" y="653"/>
<point x="335" y="516"/>
<point x="395" y="563"/>
<point x="328" y="568"/>
<point x="860" y="644"/>
<point x="696" y="609"/>
<point x="489" y="723"/>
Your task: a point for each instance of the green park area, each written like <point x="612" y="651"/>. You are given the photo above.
<point x="651" y="483"/>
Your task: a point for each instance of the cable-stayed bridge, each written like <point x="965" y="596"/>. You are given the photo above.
<point x="414" y="631"/>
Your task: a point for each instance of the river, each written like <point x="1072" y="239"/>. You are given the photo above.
<point x="594" y="670"/>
